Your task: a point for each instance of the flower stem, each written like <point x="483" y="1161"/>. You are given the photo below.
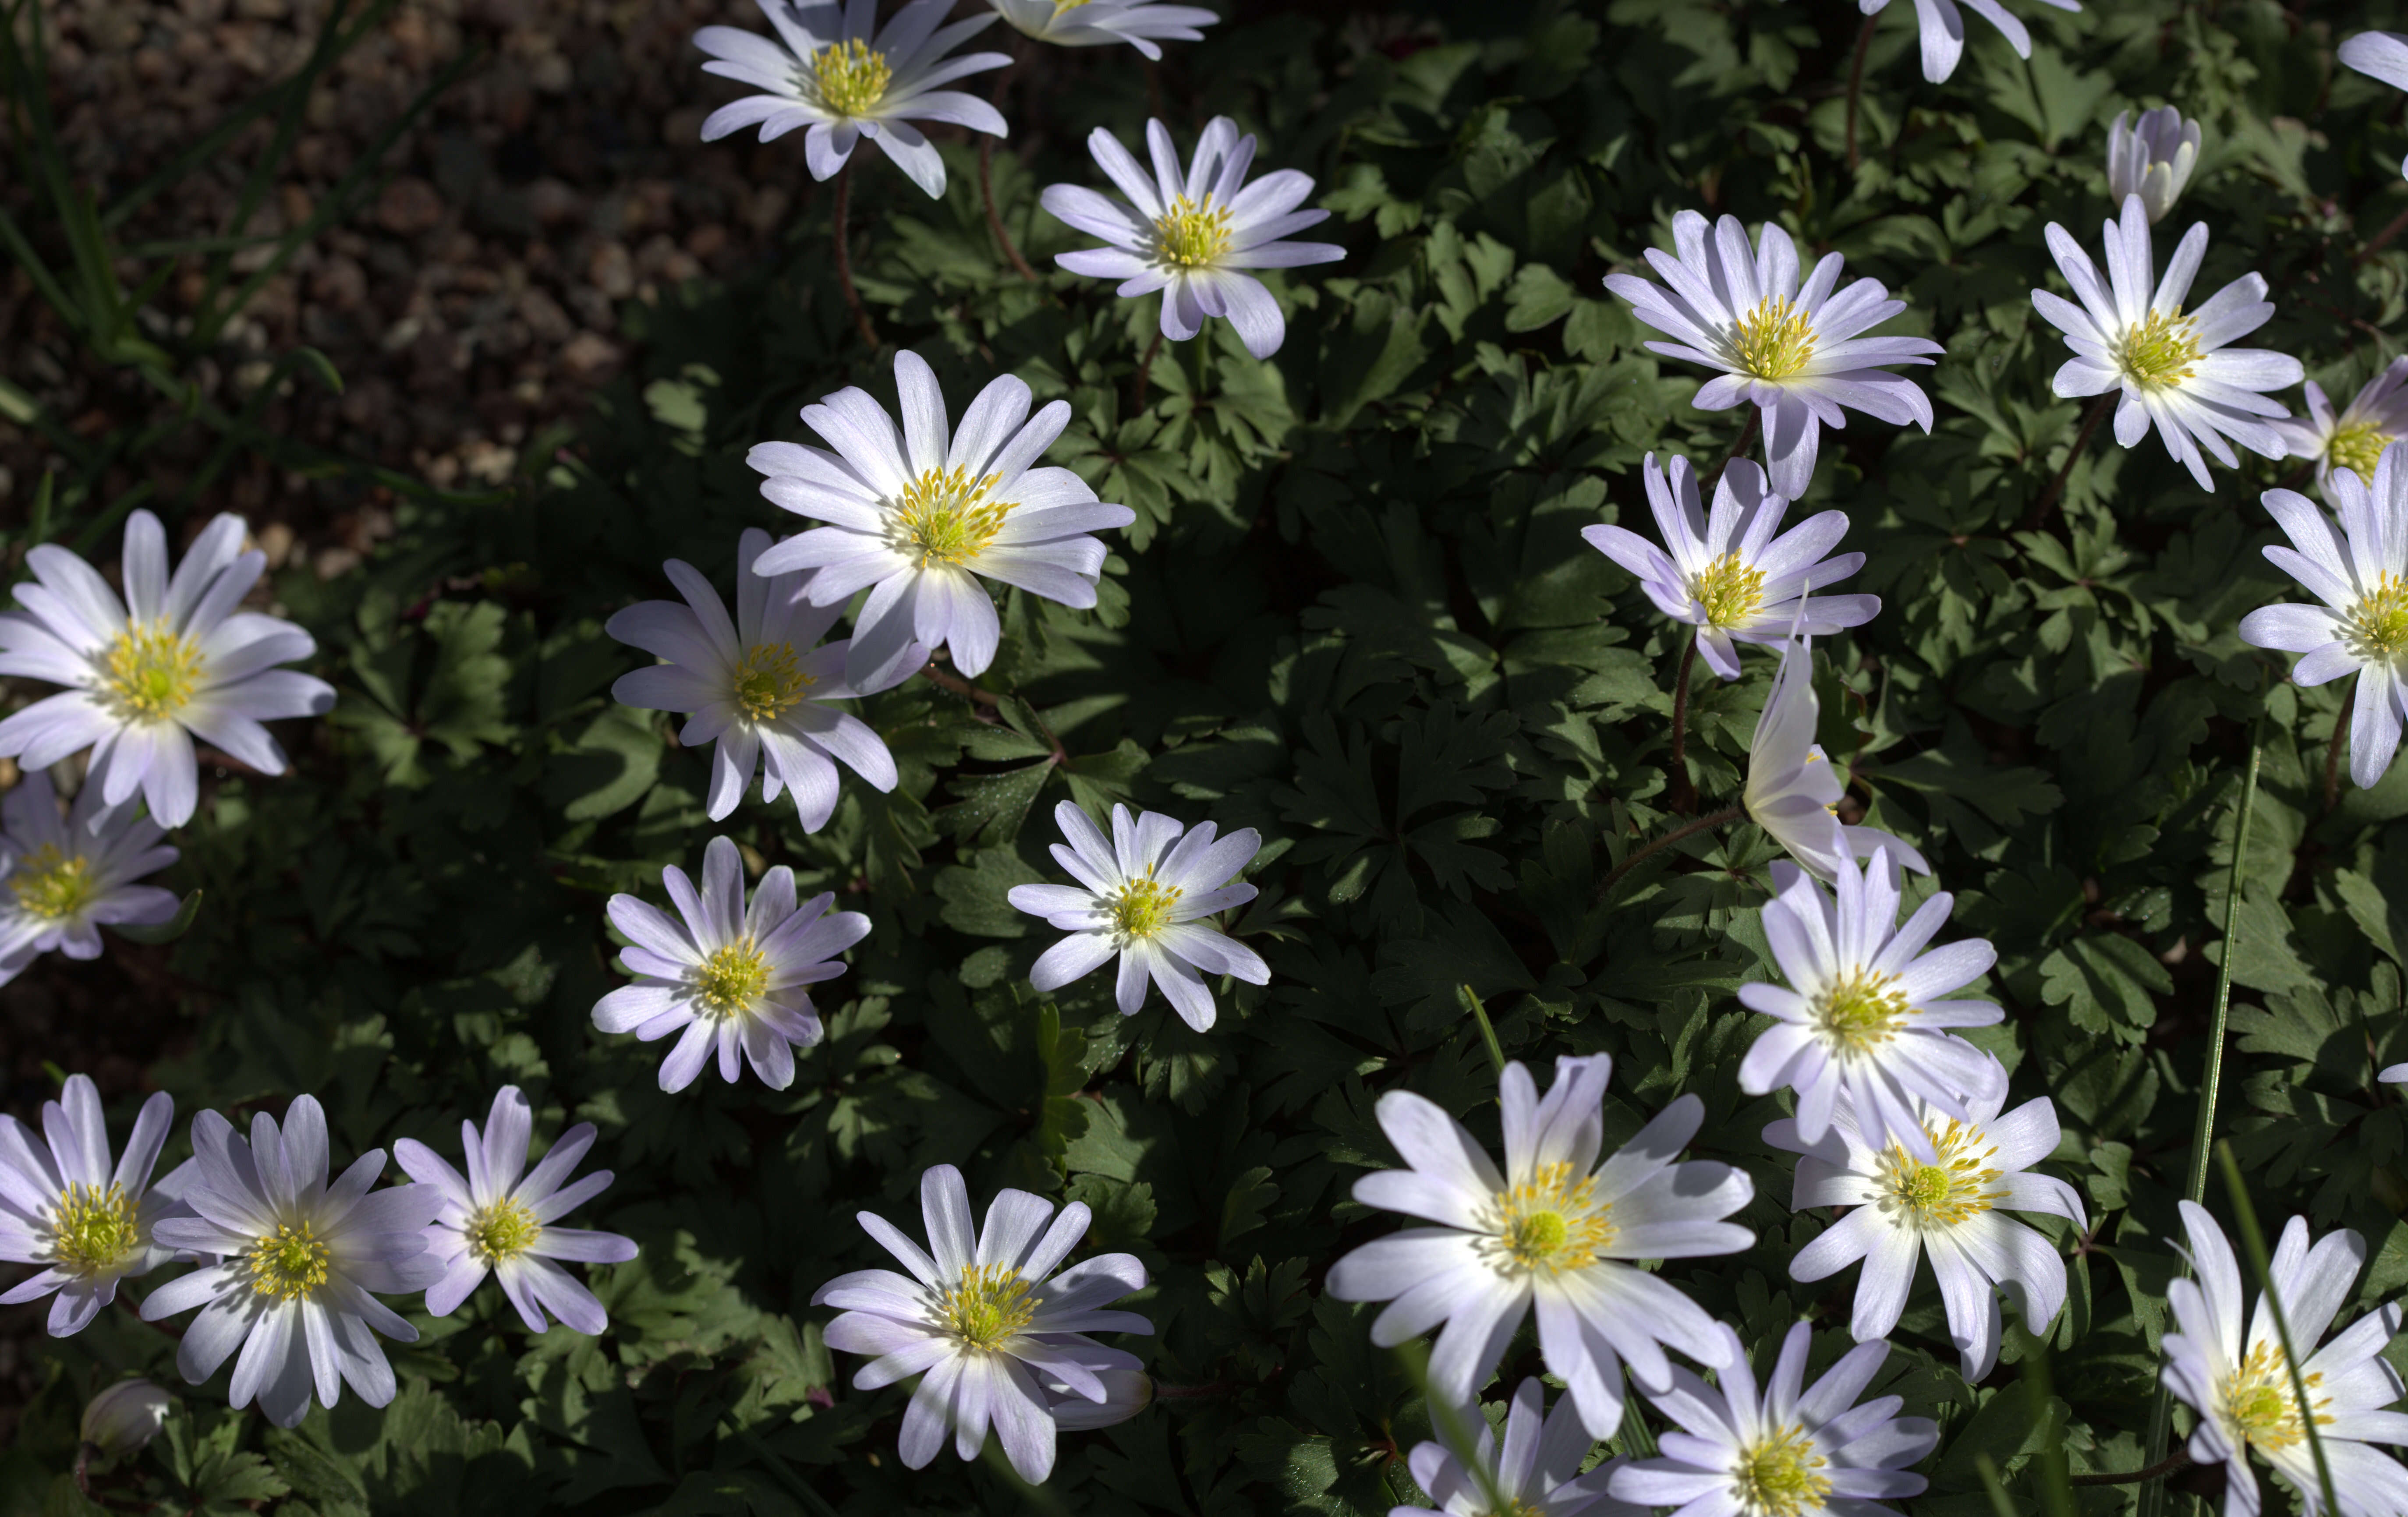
<point x="1857" y="80"/>
<point x="1738" y="449"/>
<point x="1470" y="999"/>
<point x="995" y="217"/>
<point x="2333" y="760"/>
<point x="2047" y="501"/>
<point x="2176" y="1460"/>
<point x="1145" y="365"/>
<point x="1683" y="795"/>
<point x="2382" y="239"/>
<point x="1686" y="829"/>
<point x="844" y="257"/>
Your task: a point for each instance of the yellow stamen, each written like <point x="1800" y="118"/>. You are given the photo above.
<point x="1777" y="1475"/>
<point x="290" y="1264"/>
<point x="93" y="1227"/>
<point x="502" y="1231"/>
<point x="988" y="1308"/>
<point x="2377" y="629"/>
<point x="847" y="78"/>
<point x="1944" y="1194"/>
<point x="1192" y="234"/>
<point x="944" y="517"/>
<point x="731" y="978"/>
<point x="769" y="683"/>
<point x="2259" y="1404"/>
<point x="148" y="672"/>
<point x="1549" y="1223"/>
<point x="2162" y="351"/>
<point x="2358" y="448"/>
<point x="1860" y="1011"/>
<point x="1143" y="907"/>
<point x="1728" y="592"/>
<point x="1775" y="340"/>
<point x="1061" y="8"/>
<point x="52" y="885"/>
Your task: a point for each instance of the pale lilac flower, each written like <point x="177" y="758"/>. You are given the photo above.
<point x="1941" y="29"/>
<point x="1552" y="1231"/>
<point x="67" y="878"/>
<point x="2152" y="162"/>
<point x="729" y="976"/>
<point x="2381" y="55"/>
<point x="1127" y="1389"/>
<point x="123" y="1418"/>
<point x="986" y="1322"/>
<point x="1095" y="23"/>
<point x="1728" y="575"/>
<point x="88" y="1224"/>
<point x="2240" y="1386"/>
<point x="1535" y="1473"/>
<point x="2394" y="1075"/>
<point x="921" y="519"/>
<point x="2361" y="573"/>
<point x="1793" y="352"/>
<point x="1143" y="895"/>
<point x="2176" y="371"/>
<point x="497" y="1222"/>
<point x="1948" y="1206"/>
<point x="1791" y="789"/>
<point x="754" y="687"/>
<point x="1791" y="1451"/>
<point x="172" y="661"/>
<point x="1859" y="1025"/>
<point x="2354" y="438"/>
<point x="300" y="1260"/>
<point x="828" y="71"/>
<point x="1193" y="235"/>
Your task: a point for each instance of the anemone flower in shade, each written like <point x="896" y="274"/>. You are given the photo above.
<point x="68" y="877"/>
<point x="920" y="519"/>
<point x="1552" y="1230"/>
<point x="2240" y="1387"/>
<point x="2354" y="438"/>
<point x="753" y="687"/>
<point x="1535" y="1473"/>
<point x="2382" y="55"/>
<point x="1127" y="1390"/>
<point x="1950" y="1206"/>
<point x="495" y="1222"/>
<point x="987" y="1318"/>
<point x="1792" y="790"/>
<point x="1728" y="575"/>
<point x="1143" y="24"/>
<point x="826" y="71"/>
<point x="1859" y="1025"/>
<point x="170" y="662"/>
<point x="1143" y="895"/>
<point x="300" y="1260"/>
<point x="2176" y="371"/>
<point x="1941" y="29"/>
<point x="1791" y="1451"/>
<point x="731" y="976"/>
<point x="1791" y="351"/>
<point x="2395" y="1075"/>
<point x="2152" y="162"/>
<point x="1194" y="235"/>
<point x="2361" y="573"/>
<point x="122" y="1420"/>
<point x="65" y="1208"/>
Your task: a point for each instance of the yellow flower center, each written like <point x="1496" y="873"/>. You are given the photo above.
<point x="1775" y="340"/>
<point x="502" y="1231"/>
<point x="2377" y="630"/>
<point x="291" y="1262"/>
<point x="1550" y="1223"/>
<point x="1942" y="1194"/>
<point x="768" y="683"/>
<point x="2160" y="352"/>
<point x="1192" y="235"/>
<point x="989" y="1306"/>
<point x="1859" y="1011"/>
<point x="1142" y="909"/>
<point x="1778" y="1476"/>
<point x="93" y="1227"/>
<point x="847" y="78"/>
<point x="1728" y="592"/>
<point x="148" y="674"/>
<point x="2259" y="1405"/>
<point x="2358" y="448"/>
<point x="944" y="517"/>
<point x="52" y="885"/>
<point x="731" y="978"/>
<point x="1061" y="6"/>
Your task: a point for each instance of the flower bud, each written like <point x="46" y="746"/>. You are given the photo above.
<point x="124" y="1417"/>
<point x="2152" y="161"/>
<point x="1126" y="1392"/>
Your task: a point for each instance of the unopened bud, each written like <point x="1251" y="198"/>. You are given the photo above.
<point x="2152" y="160"/>
<point x="124" y="1417"/>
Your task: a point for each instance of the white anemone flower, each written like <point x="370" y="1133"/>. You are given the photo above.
<point x="1792" y="792"/>
<point x="67" y="878"/>
<point x="1144" y="895"/>
<point x="754" y="687"/>
<point x="1792" y="1450"/>
<point x="2353" y="439"/>
<point x="495" y="1221"/>
<point x="300" y="1258"/>
<point x="2240" y="1384"/>
<point x="1554" y="1230"/>
<point x="1861" y="1024"/>
<point x="86" y="1222"/>
<point x="1143" y="24"/>
<point x="828" y="71"/>
<point x="1791" y="351"/>
<point x="984" y="1321"/>
<point x="2175" y="370"/>
<point x="1729" y="576"/>
<point x="1940" y="29"/>
<point x="1536" y="1472"/>
<point x="920" y="519"/>
<point x="1193" y="235"/>
<point x="2382" y="55"/>
<point x="727" y="976"/>
<point x="1948" y="1203"/>
<point x="172" y="661"/>
<point x="2152" y="161"/>
<point x="2359" y="570"/>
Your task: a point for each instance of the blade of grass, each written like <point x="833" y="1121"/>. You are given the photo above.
<point x="1471" y="1001"/>
<point x="1458" y="1428"/>
<point x="2040" y="1394"/>
<point x="1997" y="1487"/>
<point x="246" y="424"/>
<point x="2253" y="1240"/>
